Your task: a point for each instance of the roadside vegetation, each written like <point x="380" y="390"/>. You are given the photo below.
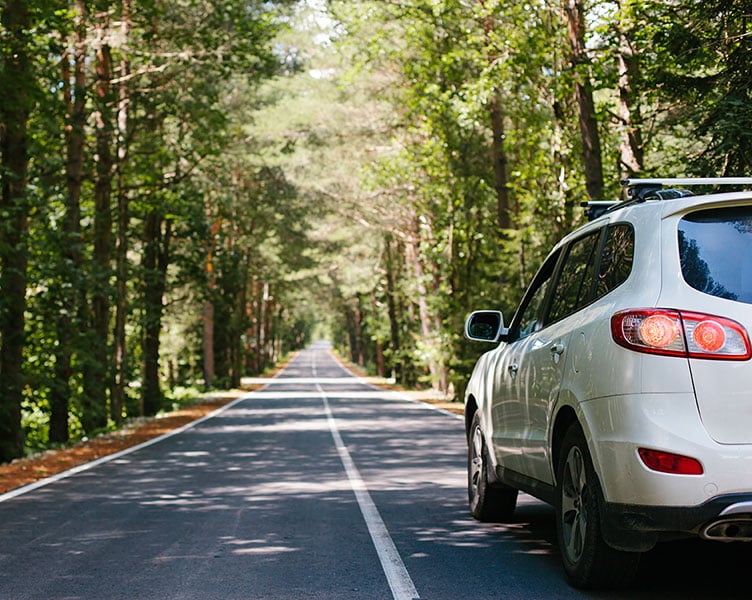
<point x="191" y="189"/>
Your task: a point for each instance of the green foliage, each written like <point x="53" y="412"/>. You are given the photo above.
<point x="447" y="64"/>
<point x="172" y="110"/>
<point x="366" y="170"/>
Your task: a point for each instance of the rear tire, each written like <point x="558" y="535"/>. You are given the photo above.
<point x="588" y="561"/>
<point x="489" y="503"/>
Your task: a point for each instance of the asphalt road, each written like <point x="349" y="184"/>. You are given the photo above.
<point x="317" y="486"/>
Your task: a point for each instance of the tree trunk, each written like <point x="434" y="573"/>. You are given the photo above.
<point x="501" y="182"/>
<point x="70" y="292"/>
<point x="499" y="157"/>
<point x="631" y="153"/>
<point x="360" y="354"/>
<point x="15" y="79"/>
<point x="261" y="323"/>
<point x="120" y="375"/>
<point x="95" y="381"/>
<point x="156" y="260"/>
<point x="241" y="322"/>
<point x="207" y="318"/>
<point x="378" y="345"/>
<point x="391" y="302"/>
<point x="271" y="311"/>
<point x="353" y="332"/>
<point x="591" y="143"/>
<point x="414" y="260"/>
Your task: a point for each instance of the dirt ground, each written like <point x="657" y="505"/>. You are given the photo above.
<point x="28" y="470"/>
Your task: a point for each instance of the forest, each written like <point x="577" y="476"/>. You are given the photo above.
<point x="193" y="188"/>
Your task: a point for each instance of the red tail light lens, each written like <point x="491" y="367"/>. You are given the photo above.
<point x="667" y="462"/>
<point x="680" y="333"/>
<point x="649" y="330"/>
<point x="658" y="331"/>
<point x="715" y="337"/>
<point x="709" y="336"/>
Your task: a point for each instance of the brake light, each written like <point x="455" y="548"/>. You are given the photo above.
<point x="709" y="336"/>
<point x="658" y="331"/>
<point x="680" y="333"/>
<point x="667" y="462"/>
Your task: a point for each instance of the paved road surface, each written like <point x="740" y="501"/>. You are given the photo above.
<point x="317" y="486"/>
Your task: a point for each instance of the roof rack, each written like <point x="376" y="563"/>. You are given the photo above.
<point x="639" y="190"/>
<point x="595" y="208"/>
<point x="630" y="182"/>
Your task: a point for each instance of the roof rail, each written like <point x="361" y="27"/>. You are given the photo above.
<point x="630" y="182"/>
<point x="639" y="190"/>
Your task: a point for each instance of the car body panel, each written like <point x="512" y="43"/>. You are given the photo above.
<point x="522" y="420"/>
<point x="621" y="424"/>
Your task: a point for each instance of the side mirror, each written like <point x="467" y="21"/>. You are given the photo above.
<point x="485" y="326"/>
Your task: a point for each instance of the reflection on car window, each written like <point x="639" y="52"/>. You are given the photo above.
<point x="588" y="273"/>
<point x="616" y="259"/>
<point x="714" y="248"/>
<point x="574" y="288"/>
<point x="532" y="316"/>
<point x="531" y="312"/>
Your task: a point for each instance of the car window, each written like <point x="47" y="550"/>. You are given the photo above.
<point x="616" y="259"/>
<point x="715" y="248"/>
<point x="529" y="317"/>
<point x="574" y="288"/>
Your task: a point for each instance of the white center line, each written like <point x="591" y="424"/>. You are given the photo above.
<point x="399" y="579"/>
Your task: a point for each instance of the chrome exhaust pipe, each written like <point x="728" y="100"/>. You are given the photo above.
<point x="734" y="529"/>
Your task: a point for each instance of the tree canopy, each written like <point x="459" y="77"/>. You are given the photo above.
<point x="191" y="189"/>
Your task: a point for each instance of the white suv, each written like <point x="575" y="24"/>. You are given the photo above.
<point x="621" y="392"/>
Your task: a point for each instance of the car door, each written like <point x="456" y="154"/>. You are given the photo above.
<point x="542" y="356"/>
<point x="508" y="417"/>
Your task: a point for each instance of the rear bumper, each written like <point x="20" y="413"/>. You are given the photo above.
<point x="616" y="427"/>
<point x="639" y="506"/>
<point x="638" y="528"/>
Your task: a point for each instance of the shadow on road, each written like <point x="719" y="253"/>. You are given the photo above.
<point x="681" y="570"/>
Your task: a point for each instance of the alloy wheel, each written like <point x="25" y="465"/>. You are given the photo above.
<point x="574" y="515"/>
<point x="476" y="463"/>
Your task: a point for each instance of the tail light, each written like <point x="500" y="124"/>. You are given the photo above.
<point x="680" y="333"/>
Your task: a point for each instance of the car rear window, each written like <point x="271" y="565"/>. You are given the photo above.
<point x="715" y="247"/>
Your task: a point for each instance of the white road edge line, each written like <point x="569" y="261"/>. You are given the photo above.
<point x="110" y="457"/>
<point x="396" y="573"/>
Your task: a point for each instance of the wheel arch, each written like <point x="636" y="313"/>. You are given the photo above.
<point x="564" y="419"/>
<point x="471" y="407"/>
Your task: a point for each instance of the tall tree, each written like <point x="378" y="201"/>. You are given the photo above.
<point x="17" y="80"/>
<point x="96" y="383"/>
<point x="120" y="366"/>
<point x="496" y="111"/>
<point x="157" y="237"/>
<point x="70" y="293"/>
